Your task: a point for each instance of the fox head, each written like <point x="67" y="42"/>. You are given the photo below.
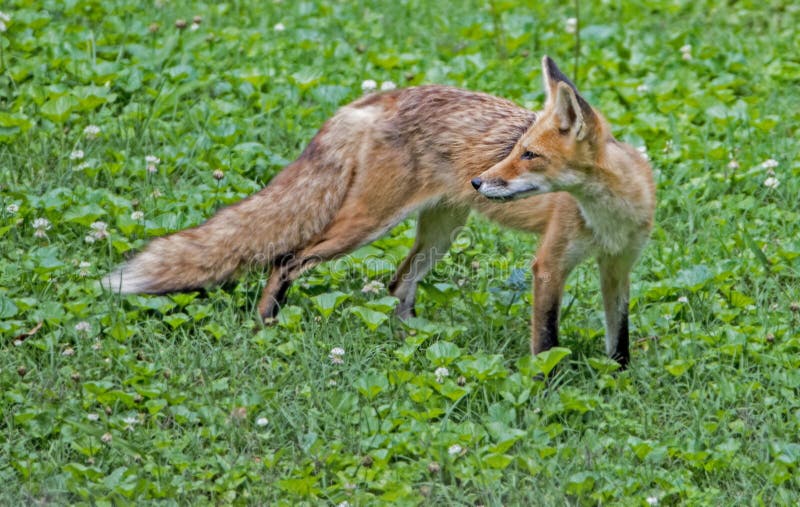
<point x="556" y="153"/>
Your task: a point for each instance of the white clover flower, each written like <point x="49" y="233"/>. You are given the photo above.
<point x="12" y="209"/>
<point x="83" y="270"/>
<point x="137" y="215"/>
<point x="733" y="164"/>
<point x="770" y="163"/>
<point x="262" y="421"/>
<point x="97" y="346"/>
<point x="89" y="239"/>
<point x="91" y="131"/>
<point x="42" y="225"/>
<point x="337" y="355"/>
<point x="771" y="182"/>
<point x="374" y="287"/>
<point x="343" y="504"/>
<point x="218" y="174"/>
<point x="152" y="160"/>
<point x="82" y="166"/>
<point x="279" y="27"/>
<point x="571" y="25"/>
<point x="454" y="450"/>
<point x="369" y="85"/>
<point x="642" y="88"/>
<point x="18" y="342"/>
<point x="131" y="420"/>
<point x="686" y="56"/>
<point x="194" y="26"/>
<point x="107" y="438"/>
<point x="683" y="299"/>
<point x="440" y="373"/>
<point x="686" y="48"/>
<point x="76" y="155"/>
<point x="83" y="327"/>
<point x="100" y="230"/>
<point x="152" y="169"/>
<point x="69" y="351"/>
<point x="92" y="417"/>
<point x="652" y="500"/>
<point x="388" y="85"/>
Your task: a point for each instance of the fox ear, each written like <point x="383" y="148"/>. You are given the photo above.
<point x="552" y="75"/>
<point x="570" y="116"/>
<point x="572" y="110"/>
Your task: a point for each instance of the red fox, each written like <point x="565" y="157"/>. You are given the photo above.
<point x="442" y="151"/>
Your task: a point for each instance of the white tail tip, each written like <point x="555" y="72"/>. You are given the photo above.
<point x="125" y="281"/>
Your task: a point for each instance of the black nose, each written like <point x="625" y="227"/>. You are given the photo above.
<point x="476" y="182"/>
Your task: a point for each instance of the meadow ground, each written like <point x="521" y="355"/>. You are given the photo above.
<point x="107" y="400"/>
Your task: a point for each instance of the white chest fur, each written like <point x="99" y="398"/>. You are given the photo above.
<point x="612" y="220"/>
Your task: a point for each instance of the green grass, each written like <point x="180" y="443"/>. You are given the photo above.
<point x="167" y="397"/>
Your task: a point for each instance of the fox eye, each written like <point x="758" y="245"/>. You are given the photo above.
<point x="529" y="155"/>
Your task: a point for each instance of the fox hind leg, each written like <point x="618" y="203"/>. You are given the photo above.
<point x="346" y="233"/>
<point x="437" y="227"/>
<point x="274" y="294"/>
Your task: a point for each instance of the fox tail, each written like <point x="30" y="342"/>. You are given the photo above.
<point x="283" y="217"/>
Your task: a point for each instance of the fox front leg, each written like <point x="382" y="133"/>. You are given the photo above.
<point x="558" y="254"/>
<point x="615" y="285"/>
<point x="548" y="286"/>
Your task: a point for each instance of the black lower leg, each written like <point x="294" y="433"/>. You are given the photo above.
<point x="622" y="353"/>
<point x="549" y="332"/>
<point x="279" y="300"/>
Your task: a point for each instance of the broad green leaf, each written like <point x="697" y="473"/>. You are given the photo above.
<point x="155" y="406"/>
<point x="546" y="361"/>
<point x="7" y="308"/>
<point x="327" y="303"/>
<point x="451" y="390"/>
<point x="84" y="215"/>
<point x="59" y="109"/>
<point x="371" y="384"/>
<point x="369" y="317"/>
<point x="443" y="353"/>
<point x="12" y="125"/>
<point x="679" y="366"/>
<point x="580" y="483"/>
<point x="694" y="278"/>
<point x="497" y="461"/>
<point x="290" y="316"/>
<point x="603" y="364"/>
<point x="304" y="486"/>
<point x="483" y="367"/>
<point x="385" y="304"/>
